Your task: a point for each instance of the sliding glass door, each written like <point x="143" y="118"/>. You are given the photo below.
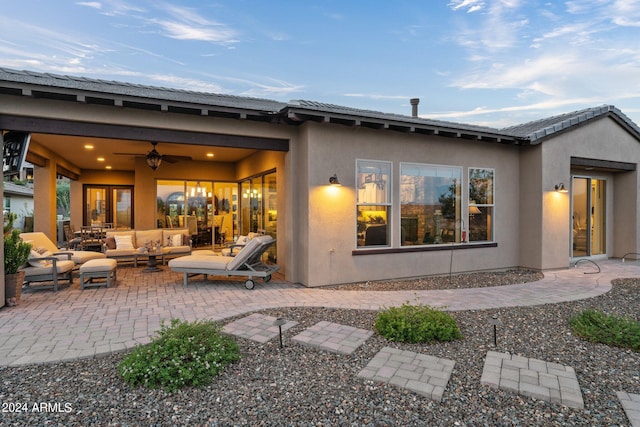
<point x="588" y="216"/>
<point x="108" y="204"/>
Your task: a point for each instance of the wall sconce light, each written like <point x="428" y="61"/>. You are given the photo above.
<point x="560" y="188"/>
<point x="333" y="180"/>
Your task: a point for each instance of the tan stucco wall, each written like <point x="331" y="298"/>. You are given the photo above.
<point x="602" y="139"/>
<point x="332" y="213"/>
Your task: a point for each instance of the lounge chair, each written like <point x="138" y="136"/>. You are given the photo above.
<point x="40" y="240"/>
<point x="248" y="262"/>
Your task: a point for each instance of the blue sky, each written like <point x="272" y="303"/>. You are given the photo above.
<point x="489" y="62"/>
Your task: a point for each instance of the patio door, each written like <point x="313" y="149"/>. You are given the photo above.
<point x="588" y="213"/>
<point x="108" y="204"/>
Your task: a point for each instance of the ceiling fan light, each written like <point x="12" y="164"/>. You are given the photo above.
<point x="154" y="159"/>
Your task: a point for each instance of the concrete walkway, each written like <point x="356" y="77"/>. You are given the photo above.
<point x="55" y="326"/>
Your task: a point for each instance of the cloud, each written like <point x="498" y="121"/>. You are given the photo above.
<point x="470" y="5"/>
<point x="186" y="24"/>
<point x="93" y="4"/>
<point x="375" y="96"/>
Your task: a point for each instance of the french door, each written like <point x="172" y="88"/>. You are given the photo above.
<point x="588" y="213"/>
<point x="108" y="204"/>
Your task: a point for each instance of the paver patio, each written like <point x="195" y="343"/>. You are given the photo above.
<point x="333" y="337"/>
<point x="551" y="382"/>
<point x="257" y="327"/>
<point x="421" y="373"/>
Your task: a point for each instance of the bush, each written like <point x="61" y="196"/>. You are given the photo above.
<point x="184" y="354"/>
<point x="595" y="326"/>
<point x="416" y="323"/>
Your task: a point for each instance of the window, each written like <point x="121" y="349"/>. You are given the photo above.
<point x="429" y="204"/>
<point x="373" y="181"/>
<point x="481" y="204"/>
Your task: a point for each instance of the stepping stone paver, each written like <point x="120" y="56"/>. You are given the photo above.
<point x="631" y="405"/>
<point x="256" y="327"/>
<point x="421" y="373"/>
<point x="333" y="337"/>
<point x="548" y="381"/>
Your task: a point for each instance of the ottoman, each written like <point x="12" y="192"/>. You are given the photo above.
<point x="98" y="268"/>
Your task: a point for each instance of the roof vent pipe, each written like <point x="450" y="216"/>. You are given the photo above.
<point x="414" y="106"/>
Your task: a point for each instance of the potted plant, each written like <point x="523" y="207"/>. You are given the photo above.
<point x="16" y="254"/>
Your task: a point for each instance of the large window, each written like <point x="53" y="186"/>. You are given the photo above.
<point x="206" y="208"/>
<point x="429" y="204"/>
<point x="481" y="204"/>
<point x="373" y="183"/>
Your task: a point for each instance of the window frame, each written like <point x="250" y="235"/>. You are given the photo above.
<point x="388" y="205"/>
<point x="481" y="205"/>
<point x="460" y="205"/>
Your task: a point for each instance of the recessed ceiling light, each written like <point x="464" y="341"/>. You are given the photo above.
<point x="210" y="154"/>
<point x="107" y="167"/>
<point x="101" y="159"/>
<point x="88" y="146"/>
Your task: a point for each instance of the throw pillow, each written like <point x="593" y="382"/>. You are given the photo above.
<point x="35" y="261"/>
<point x="110" y="242"/>
<point x="123" y="242"/>
<point x="176" y="240"/>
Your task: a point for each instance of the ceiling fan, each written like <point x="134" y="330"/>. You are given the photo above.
<point x="154" y="158"/>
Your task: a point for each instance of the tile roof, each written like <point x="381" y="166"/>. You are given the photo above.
<point x="538" y="130"/>
<point x="111" y="87"/>
<point x="81" y="88"/>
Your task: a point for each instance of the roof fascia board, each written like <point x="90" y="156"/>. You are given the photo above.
<point x="409" y="126"/>
<point x="101" y="130"/>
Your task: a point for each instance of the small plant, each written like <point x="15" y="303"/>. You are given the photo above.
<point x="416" y="323"/>
<point x="596" y="326"/>
<point x="16" y="252"/>
<point x="183" y="354"/>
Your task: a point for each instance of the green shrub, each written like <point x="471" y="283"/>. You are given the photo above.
<point x="595" y="326"/>
<point x="416" y="323"/>
<point x="184" y="354"/>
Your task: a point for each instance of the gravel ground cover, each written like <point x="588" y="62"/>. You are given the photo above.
<point x="300" y="386"/>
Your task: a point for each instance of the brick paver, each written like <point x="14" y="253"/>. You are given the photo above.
<point x="631" y="405"/>
<point x="421" y="373"/>
<point x="257" y="327"/>
<point x="39" y="328"/>
<point x="551" y="382"/>
<point x="333" y="337"/>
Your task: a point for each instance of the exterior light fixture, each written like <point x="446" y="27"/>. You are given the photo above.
<point x="333" y="180"/>
<point x="560" y="188"/>
<point x="279" y="322"/>
<point x="154" y="159"/>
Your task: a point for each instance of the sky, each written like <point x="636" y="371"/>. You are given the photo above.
<point x="488" y="62"/>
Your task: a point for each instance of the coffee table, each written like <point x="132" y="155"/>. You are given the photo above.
<point x="152" y="261"/>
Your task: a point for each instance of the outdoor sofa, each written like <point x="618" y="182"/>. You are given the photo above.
<point x="129" y="245"/>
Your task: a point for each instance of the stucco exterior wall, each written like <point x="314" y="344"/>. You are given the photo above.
<point x="601" y="139"/>
<point x="332" y="210"/>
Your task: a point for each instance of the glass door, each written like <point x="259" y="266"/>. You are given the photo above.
<point x="588" y="216"/>
<point x="108" y="204"/>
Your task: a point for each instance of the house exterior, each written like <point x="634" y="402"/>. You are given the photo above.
<point x="417" y="196"/>
<point x="18" y="199"/>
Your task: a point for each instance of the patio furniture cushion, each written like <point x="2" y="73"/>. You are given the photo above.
<point x="98" y="268"/>
<point x="149" y="236"/>
<point x="98" y="265"/>
<point x="124" y="242"/>
<point x="35" y="261"/>
<point x="114" y="233"/>
<point x="201" y="261"/>
<point x="61" y="267"/>
<point x="40" y="240"/>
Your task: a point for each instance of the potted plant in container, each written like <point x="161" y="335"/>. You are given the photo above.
<point x="16" y="254"/>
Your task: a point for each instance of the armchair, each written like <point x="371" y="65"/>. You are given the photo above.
<point x="49" y="268"/>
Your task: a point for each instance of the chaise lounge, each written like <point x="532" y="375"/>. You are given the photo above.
<point x="248" y="262"/>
